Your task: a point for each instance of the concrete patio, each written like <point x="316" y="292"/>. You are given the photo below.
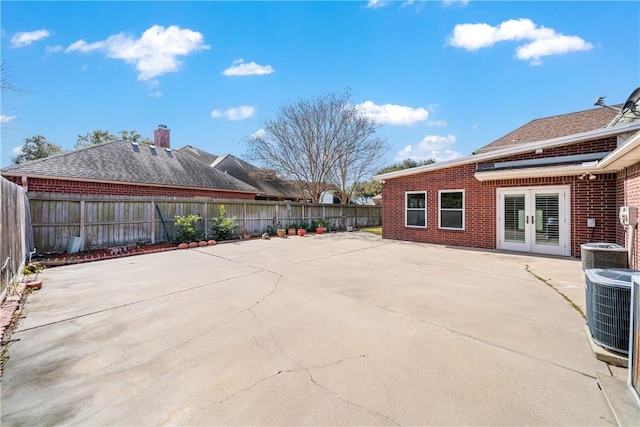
<point x="337" y="329"/>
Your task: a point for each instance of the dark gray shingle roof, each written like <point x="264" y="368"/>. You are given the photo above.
<point x="264" y="180"/>
<point x="120" y="161"/>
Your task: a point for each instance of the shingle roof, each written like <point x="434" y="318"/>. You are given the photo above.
<point x="264" y="180"/>
<point x="121" y="161"/>
<point x="554" y="127"/>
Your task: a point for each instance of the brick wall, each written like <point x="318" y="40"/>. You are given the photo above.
<point x="629" y="195"/>
<point x="589" y="199"/>
<point x="40" y="185"/>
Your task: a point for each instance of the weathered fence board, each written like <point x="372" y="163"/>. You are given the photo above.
<point x="103" y="221"/>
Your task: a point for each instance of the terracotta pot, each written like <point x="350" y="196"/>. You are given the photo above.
<point x="291" y="231"/>
<point x="319" y="230"/>
<point x="35" y="285"/>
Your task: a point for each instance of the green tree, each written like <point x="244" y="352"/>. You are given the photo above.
<point x="36" y="147"/>
<point x="405" y="164"/>
<point x="363" y="191"/>
<point x="134" y="136"/>
<point x="99" y="136"/>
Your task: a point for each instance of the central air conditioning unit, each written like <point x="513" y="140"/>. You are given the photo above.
<point x="634" y="345"/>
<point x="603" y="255"/>
<point x="608" y="297"/>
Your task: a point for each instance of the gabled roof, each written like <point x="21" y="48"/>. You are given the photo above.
<point x="554" y="127"/>
<point x="124" y="162"/>
<point x="198" y="154"/>
<point x="266" y="181"/>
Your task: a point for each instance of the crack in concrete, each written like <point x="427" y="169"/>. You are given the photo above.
<point x="549" y="284"/>
<point x="238" y="313"/>
<point x="370" y="411"/>
<point x="116" y="307"/>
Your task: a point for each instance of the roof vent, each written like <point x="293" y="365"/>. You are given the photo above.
<point x="152" y="147"/>
<point x="168" y="150"/>
<point x="135" y="144"/>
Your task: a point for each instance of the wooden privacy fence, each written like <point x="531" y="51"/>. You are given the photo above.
<point x="16" y="240"/>
<point x="105" y="221"/>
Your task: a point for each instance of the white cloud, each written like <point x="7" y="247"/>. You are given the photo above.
<point x="235" y="113"/>
<point x="460" y="2"/>
<point x="437" y="123"/>
<point x="240" y="68"/>
<point x="16" y="151"/>
<point x="155" y="94"/>
<point x="25" y="38"/>
<point x="153" y="54"/>
<point x="436" y="147"/>
<point x="53" y="49"/>
<point x="397" y="115"/>
<point x="260" y="133"/>
<point x="7" y="119"/>
<point x="542" y="41"/>
<point x="376" y="4"/>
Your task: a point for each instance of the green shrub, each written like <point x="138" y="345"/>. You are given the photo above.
<point x="222" y="227"/>
<point x="186" y="229"/>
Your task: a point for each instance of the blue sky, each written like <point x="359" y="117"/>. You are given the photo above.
<point x="443" y="78"/>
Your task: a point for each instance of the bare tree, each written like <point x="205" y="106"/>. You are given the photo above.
<point x="309" y="139"/>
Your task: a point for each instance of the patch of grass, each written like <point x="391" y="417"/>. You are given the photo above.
<point x="374" y="230"/>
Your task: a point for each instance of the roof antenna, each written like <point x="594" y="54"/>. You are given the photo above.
<point x="600" y="102"/>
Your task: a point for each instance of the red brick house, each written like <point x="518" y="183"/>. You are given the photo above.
<point x="129" y="169"/>
<point x="547" y="187"/>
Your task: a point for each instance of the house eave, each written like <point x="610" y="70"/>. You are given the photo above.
<point x="517" y="149"/>
<point x="624" y="156"/>
<point x="540" y="172"/>
<point x="140" y="184"/>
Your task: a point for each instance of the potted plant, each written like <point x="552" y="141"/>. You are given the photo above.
<point x="323" y="225"/>
<point x="280" y="230"/>
<point x="291" y="229"/>
<point x="302" y="228"/>
<point x="32" y="269"/>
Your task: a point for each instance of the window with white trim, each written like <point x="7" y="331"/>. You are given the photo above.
<point x="416" y="209"/>
<point x="451" y="215"/>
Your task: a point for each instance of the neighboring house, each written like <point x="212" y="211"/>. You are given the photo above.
<point x="547" y="187"/>
<point x="271" y="186"/>
<point x="125" y="168"/>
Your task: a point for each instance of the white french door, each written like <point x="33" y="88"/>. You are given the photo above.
<point x="534" y="220"/>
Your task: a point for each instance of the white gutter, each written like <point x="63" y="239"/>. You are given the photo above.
<point x="516" y="149"/>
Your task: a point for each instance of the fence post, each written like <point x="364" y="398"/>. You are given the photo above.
<point x="82" y="225"/>
<point x="152" y="219"/>
<point x="205" y="217"/>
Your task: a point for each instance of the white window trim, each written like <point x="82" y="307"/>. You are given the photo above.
<point x="406" y="209"/>
<point x="464" y="201"/>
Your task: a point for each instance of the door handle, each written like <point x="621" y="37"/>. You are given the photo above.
<point x="532" y="220"/>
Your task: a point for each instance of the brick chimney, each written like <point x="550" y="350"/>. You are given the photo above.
<point x="161" y="137"/>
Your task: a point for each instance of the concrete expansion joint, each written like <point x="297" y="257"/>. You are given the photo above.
<point x="548" y="283"/>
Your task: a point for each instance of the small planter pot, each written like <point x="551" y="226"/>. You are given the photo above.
<point x="291" y="231"/>
<point x="281" y="232"/>
<point x="349" y="227"/>
<point x="302" y="232"/>
<point x="35" y="285"/>
<point x="319" y="230"/>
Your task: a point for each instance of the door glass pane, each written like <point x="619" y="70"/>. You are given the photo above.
<point x="514" y="218"/>
<point x="547" y="219"/>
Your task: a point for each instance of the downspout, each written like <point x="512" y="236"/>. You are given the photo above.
<point x="630" y="246"/>
<point x="25" y="184"/>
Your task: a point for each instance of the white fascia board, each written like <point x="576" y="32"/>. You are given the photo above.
<point x="516" y="149"/>
<point x="630" y="148"/>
